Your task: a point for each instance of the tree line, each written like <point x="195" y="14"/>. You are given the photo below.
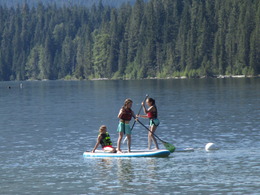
<point x="158" y="38"/>
<point x="60" y="3"/>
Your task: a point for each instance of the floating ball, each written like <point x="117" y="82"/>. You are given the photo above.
<point x="211" y="146"/>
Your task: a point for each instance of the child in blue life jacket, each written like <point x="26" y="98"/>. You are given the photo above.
<point x="104" y="139"/>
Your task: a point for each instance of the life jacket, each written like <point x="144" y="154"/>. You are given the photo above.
<point x="105" y="141"/>
<point x="152" y="115"/>
<point x="126" y="114"/>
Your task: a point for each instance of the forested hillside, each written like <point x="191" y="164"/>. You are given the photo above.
<point x="158" y="38"/>
<point x="60" y="3"/>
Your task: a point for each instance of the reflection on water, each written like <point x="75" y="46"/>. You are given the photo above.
<point x="139" y="174"/>
<point x="105" y="163"/>
<point x="125" y="171"/>
<point x="128" y="170"/>
<point x="125" y="174"/>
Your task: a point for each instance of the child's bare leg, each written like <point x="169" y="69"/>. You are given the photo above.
<point x="149" y="140"/>
<point x="119" y="141"/>
<point x="129" y="142"/>
<point x="107" y="149"/>
<point x="153" y="128"/>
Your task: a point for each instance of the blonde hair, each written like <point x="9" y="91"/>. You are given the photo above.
<point x="102" y="127"/>
<point x="127" y="101"/>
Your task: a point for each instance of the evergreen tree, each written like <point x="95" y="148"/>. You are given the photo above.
<point x="101" y="54"/>
<point x="112" y="63"/>
<point x="254" y="54"/>
<point x="146" y="39"/>
<point x="134" y="28"/>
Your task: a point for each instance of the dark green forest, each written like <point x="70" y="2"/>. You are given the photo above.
<point x="87" y="3"/>
<point x="158" y="38"/>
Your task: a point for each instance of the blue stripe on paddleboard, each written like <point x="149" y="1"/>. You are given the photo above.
<point x="160" y="153"/>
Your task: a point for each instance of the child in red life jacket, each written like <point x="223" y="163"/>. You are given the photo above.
<point x="104" y="140"/>
<point x="125" y="115"/>
<point x="151" y="114"/>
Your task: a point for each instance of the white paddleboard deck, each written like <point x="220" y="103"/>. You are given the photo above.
<point x="133" y="153"/>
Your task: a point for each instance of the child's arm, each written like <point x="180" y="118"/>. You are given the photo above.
<point x="142" y="116"/>
<point x="120" y="113"/>
<point x="145" y="110"/>
<point x="152" y="108"/>
<point x="97" y="144"/>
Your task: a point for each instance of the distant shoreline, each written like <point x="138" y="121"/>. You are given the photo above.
<point x="181" y="77"/>
<point x="149" y="78"/>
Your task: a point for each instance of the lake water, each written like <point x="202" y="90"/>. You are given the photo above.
<point x="46" y="126"/>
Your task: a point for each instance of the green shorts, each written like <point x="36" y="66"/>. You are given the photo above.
<point x="125" y="128"/>
<point x="155" y="122"/>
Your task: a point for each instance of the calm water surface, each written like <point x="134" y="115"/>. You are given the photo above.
<point x="46" y="126"/>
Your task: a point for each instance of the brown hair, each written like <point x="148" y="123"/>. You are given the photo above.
<point x="101" y="128"/>
<point x="127" y="101"/>
<point x="152" y="101"/>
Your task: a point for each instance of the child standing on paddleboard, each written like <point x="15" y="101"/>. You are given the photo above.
<point x="152" y="114"/>
<point x="104" y="140"/>
<point x="125" y="115"/>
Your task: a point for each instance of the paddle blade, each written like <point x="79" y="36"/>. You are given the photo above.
<point x="169" y="147"/>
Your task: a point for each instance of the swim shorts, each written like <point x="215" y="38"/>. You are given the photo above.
<point x="107" y="147"/>
<point x="125" y="128"/>
<point x="155" y="122"/>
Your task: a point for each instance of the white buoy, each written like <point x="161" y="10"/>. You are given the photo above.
<point x="211" y="146"/>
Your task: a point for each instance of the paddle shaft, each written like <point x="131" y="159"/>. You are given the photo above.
<point x="150" y="131"/>
<point x="139" y="111"/>
<point x="168" y="146"/>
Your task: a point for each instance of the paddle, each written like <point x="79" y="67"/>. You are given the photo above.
<point x="137" y="114"/>
<point x="168" y="146"/>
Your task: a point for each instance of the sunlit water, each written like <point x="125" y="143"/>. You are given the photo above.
<point x="46" y="126"/>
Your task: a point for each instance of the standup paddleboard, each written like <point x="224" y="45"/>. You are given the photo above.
<point x="133" y="153"/>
